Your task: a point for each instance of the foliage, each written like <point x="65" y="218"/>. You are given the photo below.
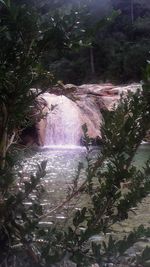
<point x="101" y="35"/>
<point x="25" y="40"/>
<point x="114" y="40"/>
<point x="21" y="47"/>
<point x="106" y="178"/>
<point x="123" y="131"/>
<point x="18" y="220"/>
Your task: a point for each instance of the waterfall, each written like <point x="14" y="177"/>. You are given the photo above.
<point x="63" y="123"/>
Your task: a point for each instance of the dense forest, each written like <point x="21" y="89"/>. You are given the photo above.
<point x="95" y="40"/>
<point x="110" y="38"/>
<point x="78" y="41"/>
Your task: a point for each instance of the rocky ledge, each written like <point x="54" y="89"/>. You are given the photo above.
<point x="68" y="107"/>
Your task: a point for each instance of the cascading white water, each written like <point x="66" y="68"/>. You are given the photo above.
<point x="63" y="125"/>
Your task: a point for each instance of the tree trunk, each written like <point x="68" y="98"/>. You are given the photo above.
<point x="3" y="137"/>
<point x="3" y="149"/>
<point x="132" y="11"/>
<point x="92" y="62"/>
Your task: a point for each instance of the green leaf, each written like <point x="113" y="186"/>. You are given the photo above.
<point x="146" y="254"/>
<point x="43" y="164"/>
<point x="79" y="217"/>
<point x="3" y="2"/>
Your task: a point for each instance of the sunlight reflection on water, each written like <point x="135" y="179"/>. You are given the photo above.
<point x="62" y="165"/>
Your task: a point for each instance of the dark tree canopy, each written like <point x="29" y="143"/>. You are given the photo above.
<point x="86" y="33"/>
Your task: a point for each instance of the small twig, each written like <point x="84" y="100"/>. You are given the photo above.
<point x="73" y="194"/>
<point x="6" y="265"/>
<point x="16" y="246"/>
<point x="14" y="261"/>
<point x="64" y="202"/>
<point x="31" y="253"/>
<point x="30" y="47"/>
<point x="11" y="141"/>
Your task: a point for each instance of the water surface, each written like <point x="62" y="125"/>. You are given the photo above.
<point x="62" y="165"/>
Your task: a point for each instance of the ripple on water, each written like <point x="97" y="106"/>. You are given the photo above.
<point x="62" y="166"/>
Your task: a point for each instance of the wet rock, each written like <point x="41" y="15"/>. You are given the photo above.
<point x="139" y="246"/>
<point x="130" y="252"/>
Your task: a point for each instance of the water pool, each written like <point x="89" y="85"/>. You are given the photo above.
<point x="62" y="165"/>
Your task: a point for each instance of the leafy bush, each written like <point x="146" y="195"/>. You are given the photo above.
<point x="22" y="240"/>
<point x="21" y="234"/>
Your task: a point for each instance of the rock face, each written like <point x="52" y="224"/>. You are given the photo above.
<point x="78" y="105"/>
